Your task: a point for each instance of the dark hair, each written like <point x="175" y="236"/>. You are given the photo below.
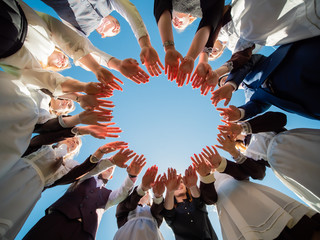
<point x="189" y="197"/>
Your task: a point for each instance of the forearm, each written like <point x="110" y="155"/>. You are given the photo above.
<point x="203" y="57"/>
<point x="72" y="85"/>
<point x="169" y="200"/>
<point x="165" y="27"/>
<point x="199" y="41"/>
<point x="144" y="41"/>
<point x="68" y="122"/>
<point x="89" y="62"/>
<point x="114" y="64"/>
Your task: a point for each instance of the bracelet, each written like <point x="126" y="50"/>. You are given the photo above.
<point x="94" y="159"/>
<point x="102" y="151"/>
<point x="131" y="176"/>
<point x="207" y="50"/>
<point x="168" y="43"/>
<point x="75" y="131"/>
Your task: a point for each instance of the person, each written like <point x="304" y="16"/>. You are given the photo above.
<point x="78" y="212"/>
<point x="138" y="217"/>
<point x="88" y="16"/>
<point x="210" y="12"/>
<point x="266" y="82"/>
<point x="290" y="153"/>
<point x="185" y="204"/>
<point x="39" y="170"/>
<point x="249" y="210"/>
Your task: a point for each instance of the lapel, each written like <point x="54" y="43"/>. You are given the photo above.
<point x="262" y="70"/>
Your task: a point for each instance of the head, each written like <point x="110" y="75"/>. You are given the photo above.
<point x="57" y="61"/>
<point x="182" y="193"/>
<point x="222" y="80"/>
<point x="217" y="50"/>
<point x="108" y="27"/>
<point x="181" y="20"/>
<point x="107" y="174"/>
<point x="73" y="146"/>
<point x="61" y="106"/>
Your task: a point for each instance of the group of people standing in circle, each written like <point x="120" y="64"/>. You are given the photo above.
<point x="39" y="137"/>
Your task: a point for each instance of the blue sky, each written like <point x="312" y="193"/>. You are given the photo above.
<point x="165" y="123"/>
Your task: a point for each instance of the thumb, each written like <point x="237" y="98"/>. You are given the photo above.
<point x="142" y="58"/>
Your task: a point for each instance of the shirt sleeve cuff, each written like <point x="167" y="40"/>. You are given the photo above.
<point x="242" y="113"/>
<point x="240" y="159"/>
<point x="233" y="85"/>
<point x="207" y="179"/>
<point x="158" y="200"/>
<point x="246" y="127"/>
<point x="140" y="191"/>
<point x="222" y="165"/>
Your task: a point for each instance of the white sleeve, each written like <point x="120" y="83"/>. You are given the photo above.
<point x="118" y="195"/>
<point x="40" y="78"/>
<point x="127" y="10"/>
<point x="104" y="164"/>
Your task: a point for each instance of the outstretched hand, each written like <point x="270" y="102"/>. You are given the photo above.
<point x="224" y="92"/>
<point x="172" y="180"/>
<point x="230" y="114"/>
<point x="159" y="186"/>
<point x="149" y="57"/>
<point x="94" y="117"/>
<point x="101" y="131"/>
<point x="232" y="129"/>
<point x="136" y="165"/>
<point x="107" y="78"/>
<point x="89" y="102"/>
<point x="171" y="60"/>
<point x="112" y="146"/>
<point x="121" y="157"/>
<point x="212" y="156"/>
<point x="185" y="70"/>
<point x="190" y="177"/>
<point x="130" y="69"/>
<point x="226" y="142"/>
<point x="202" y="166"/>
<point x="149" y="177"/>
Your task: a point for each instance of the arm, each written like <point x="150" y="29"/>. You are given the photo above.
<point x="239" y="59"/>
<point x="253" y="108"/>
<point x="156" y="209"/>
<point x="207" y="190"/>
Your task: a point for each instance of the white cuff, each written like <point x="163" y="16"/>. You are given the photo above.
<point x="222" y="165"/>
<point x="246" y="128"/>
<point x="207" y="179"/>
<point x="61" y="122"/>
<point x="140" y="191"/>
<point x="158" y="200"/>
<point x="242" y="113"/>
<point x="241" y="158"/>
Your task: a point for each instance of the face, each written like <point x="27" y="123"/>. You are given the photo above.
<point x="180" y="20"/>
<point x="58" y="60"/>
<point x="61" y="105"/>
<point x="72" y="143"/>
<point x="181" y="191"/>
<point x="108" y="27"/>
<point x="145" y="200"/>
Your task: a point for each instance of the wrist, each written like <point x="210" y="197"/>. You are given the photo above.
<point x="144" y="188"/>
<point x="188" y="58"/>
<point x="144" y="41"/>
<point x="157" y="195"/>
<point x="169" y="47"/>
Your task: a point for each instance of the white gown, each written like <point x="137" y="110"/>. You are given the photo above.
<point x="22" y="186"/>
<point x="250" y="211"/>
<point x="140" y="226"/>
<point x="271" y="22"/>
<point x="294" y="156"/>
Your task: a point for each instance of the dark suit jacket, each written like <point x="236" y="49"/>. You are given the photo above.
<point x="292" y="71"/>
<point x="82" y="203"/>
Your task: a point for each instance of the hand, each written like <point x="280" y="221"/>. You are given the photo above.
<point x="93" y="88"/>
<point x="159" y="186"/>
<point x="172" y="63"/>
<point x="185" y="70"/>
<point x="149" y="177"/>
<point x="149" y="57"/>
<point x="136" y="165"/>
<point x="88" y="102"/>
<point x="224" y="92"/>
<point x="212" y="156"/>
<point x="107" y="78"/>
<point x="232" y="129"/>
<point x="100" y="132"/>
<point x="202" y="166"/>
<point x="190" y="177"/>
<point x="94" y="117"/>
<point x="130" y="68"/>
<point x="226" y="143"/>
<point x="113" y="146"/>
<point x="121" y="157"/>
<point x="172" y="181"/>
<point x="200" y="73"/>
<point x="230" y="114"/>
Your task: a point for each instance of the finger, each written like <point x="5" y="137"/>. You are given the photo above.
<point x="218" y="146"/>
<point x="160" y="64"/>
<point x="227" y="101"/>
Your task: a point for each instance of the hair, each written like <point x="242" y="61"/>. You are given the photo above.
<point x="191" y="20"/>
<point x="240" y="146"/>
<point x="76" y="151"/>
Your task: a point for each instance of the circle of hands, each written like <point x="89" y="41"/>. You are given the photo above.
<point x="178" y="68"/>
